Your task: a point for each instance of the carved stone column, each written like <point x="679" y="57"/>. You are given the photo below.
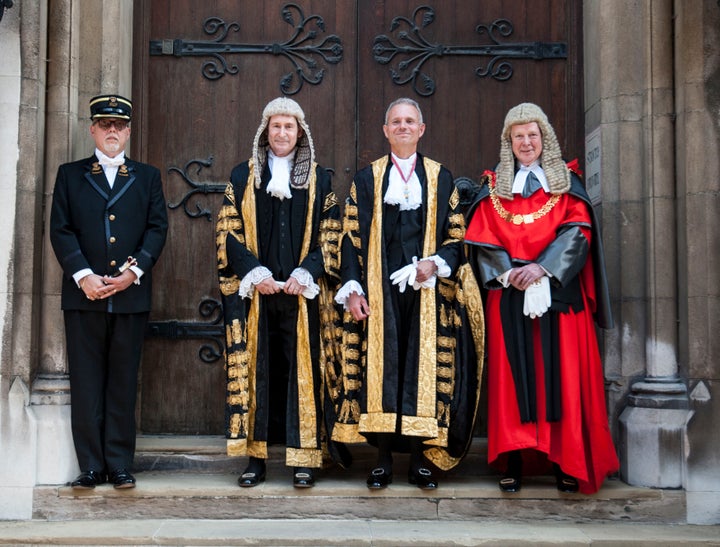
<point x="653" y="425"/>
<point x="90" y="50"/>
<point x="631" y="99"/>
<point x="697" y="92"/>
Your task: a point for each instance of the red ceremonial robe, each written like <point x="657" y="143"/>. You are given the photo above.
<point x="580" y="441"/>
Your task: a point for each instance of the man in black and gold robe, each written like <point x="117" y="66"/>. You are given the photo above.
<point x="411" y="364"/>
<point x="277" y="237"/>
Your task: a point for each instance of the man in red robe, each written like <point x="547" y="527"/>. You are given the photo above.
<point x="534" y="243"/>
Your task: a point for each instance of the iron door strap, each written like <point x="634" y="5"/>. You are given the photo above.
<point x="212" y="331"/>
<point x="304" y="49"/>
<point x="412" y="50"/>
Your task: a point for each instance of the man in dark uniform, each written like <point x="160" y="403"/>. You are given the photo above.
<point x="107" y="227"/>
<point x="277" y="236"/>
<point x="411" y="374"/>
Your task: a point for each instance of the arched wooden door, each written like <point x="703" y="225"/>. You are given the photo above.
<point x="203" y="72"/>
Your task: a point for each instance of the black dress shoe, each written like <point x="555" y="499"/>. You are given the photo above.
<point x="121" y="478"/>
<point x="565" y="483"/>
<point x="510" y="481"/>
<point x="251" y="478"/>
<point x="88" y="479"/>
<point x="423" y="478"/>
<point x="510" y="484"/>
<point x="379" y="478"/>
<point x="303" y="477"/>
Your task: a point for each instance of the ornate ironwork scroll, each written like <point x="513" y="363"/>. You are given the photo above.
<point x="300" y="49"/>
<point x="411" y="44"/>
<point x="197" y="188"/>
<point x="213" y="330"/>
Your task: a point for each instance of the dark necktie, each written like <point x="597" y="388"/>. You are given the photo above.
<point x="531" y="185"/>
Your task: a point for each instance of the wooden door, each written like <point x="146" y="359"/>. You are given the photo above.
<point x="204" y="71"/>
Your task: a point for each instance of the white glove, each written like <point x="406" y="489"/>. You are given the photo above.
<point x="405" y="276"/>
<point x="537" y="298"/>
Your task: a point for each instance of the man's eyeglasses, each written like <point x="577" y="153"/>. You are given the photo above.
<point x="105" y="124"/>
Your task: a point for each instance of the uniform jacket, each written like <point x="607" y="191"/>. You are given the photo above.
<point x="94" y="226"/>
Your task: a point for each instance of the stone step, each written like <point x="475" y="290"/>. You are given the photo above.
<point x="202" y="485"/>
<point x="206" y="454"/>
<point x="360" y="533"/>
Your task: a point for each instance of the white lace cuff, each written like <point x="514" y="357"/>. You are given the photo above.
<point x="304" y="277"/>
<point x="443" y="270"/>
<point x="253" y="277"/>
<point x="346" y="290"/>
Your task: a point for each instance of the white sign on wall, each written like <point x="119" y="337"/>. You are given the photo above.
<point x="593" y="161"/>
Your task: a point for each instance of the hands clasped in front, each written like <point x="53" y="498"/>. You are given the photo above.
<point x="532" y="279"/>
<point x="98" y="287"/>
<point x="292" y="286"/>
<point x="271" y="286"/>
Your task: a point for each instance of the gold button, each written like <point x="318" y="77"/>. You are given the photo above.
<point x="112" y="239"/>
<point x="112" y="263"/>
<point x="112" y="217"/>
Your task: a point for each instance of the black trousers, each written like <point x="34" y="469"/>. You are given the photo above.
<point x="281" y="312"/>
<point x="104" y="352"/>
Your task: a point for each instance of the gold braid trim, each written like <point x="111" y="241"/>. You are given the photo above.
<point x="420" y="426"/>
<point x="347" y="433"/>
<point x="440" y="458"/>
<point x="236" y="447"/>
<point x="257" y="449"/>
<point x="229" y="224"/>
<point x="303" y="457"/>
<point x="378" y="422"/>
<point x="330" y="200"/>
<point x="306" y="393"/>
<point x="427" y="376"/>
<point x="375" y="326"/>
<point x="351" y="347"/>
<point x="454" y="198"/>
<point x="249" y="216"/>
<point x="330" y="233"/>
<point x="468" y="296"/>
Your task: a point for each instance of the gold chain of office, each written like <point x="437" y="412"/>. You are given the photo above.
<point x="518" y="219"/>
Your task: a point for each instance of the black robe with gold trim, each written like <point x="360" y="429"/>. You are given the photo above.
<point x="315" y="215"/>
<point x="448" y="331"/>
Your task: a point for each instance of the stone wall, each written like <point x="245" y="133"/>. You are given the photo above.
<point x="697" y="91"/>
<point x="56" y="55"/>
<point x="652" y="81"/>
